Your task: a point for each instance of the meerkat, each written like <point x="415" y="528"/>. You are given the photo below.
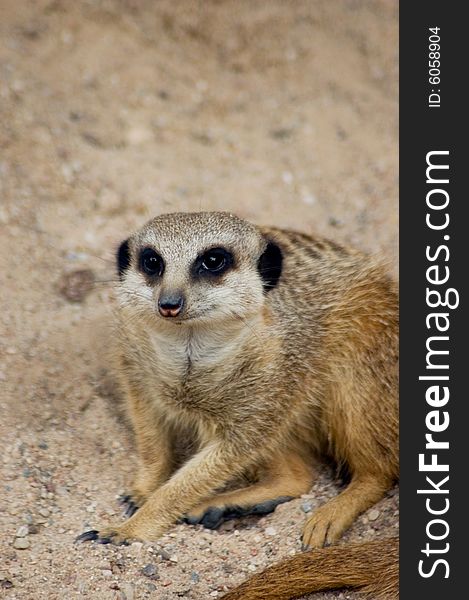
<point x="264" y="349"/>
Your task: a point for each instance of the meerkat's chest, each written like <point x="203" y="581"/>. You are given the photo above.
<point x="188" y="363"/>
<point x="209" y="376"/>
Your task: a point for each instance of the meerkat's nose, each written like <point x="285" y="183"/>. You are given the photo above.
<point x="170" y="305"/>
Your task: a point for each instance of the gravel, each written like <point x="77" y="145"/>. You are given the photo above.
<point x="107" y="120"/>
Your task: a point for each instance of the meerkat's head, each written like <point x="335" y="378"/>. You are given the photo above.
<point x="197" y="268"/>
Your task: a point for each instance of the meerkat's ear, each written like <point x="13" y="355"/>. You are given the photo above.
<point x="123" y="258"/>
<point x="270" y="265"/>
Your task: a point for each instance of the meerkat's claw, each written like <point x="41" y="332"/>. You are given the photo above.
<point x="265" y="508"/>
<point x="103" y="540"/>
<point x="87" y="536"/>
<point x="190" y="520"/>
<point x="259" y="510"/>
<point x="214" y="516"/>
<point x="130" y="505"/>
<point x="107" y="537"/>
<point x="124" y="499"/>
<point x="320" y="532"/>
<point x="130" y="508"/>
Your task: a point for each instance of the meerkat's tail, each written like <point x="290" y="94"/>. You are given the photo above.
<point x="371" y="567"/>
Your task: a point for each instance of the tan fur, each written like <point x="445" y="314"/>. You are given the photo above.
<point x="370" y="567"/>
<point x="256" y="381"/>
<point x="287" y="475"/>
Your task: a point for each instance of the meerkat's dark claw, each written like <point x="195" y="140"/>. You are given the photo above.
<point x="265" y="508"/>
<point x="130" y="507"/>
<point x="93" y="536"/>
<point x="87" y="536"/>
<point x="190" y="520"/>
<point x="214" y="517"/>
<point x="211" y="519"/>
<point x="103" y="540"/>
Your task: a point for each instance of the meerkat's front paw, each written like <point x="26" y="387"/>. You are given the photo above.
<point x="109" y="535"/>
<point x="144" y="526"/>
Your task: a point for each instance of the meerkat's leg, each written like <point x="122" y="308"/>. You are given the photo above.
<point x="329" y="521"/>
<point x="208" y="470"/>
<point x="154" y="452"/>
<point x="287" y="477"/>
<point x="368" y="448"/>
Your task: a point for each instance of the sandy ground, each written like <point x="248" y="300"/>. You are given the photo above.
<point x="113" y="111"/>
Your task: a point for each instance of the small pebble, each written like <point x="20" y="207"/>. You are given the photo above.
<point x="281" y="133"/>
<point x="150" y="571"/>
<point x="270" y="531"/>
<point x="21" y="543"/>
<point x="373" y="515"/>
<point x="334" y="222"/>
<point x="6" y="584"/>
<point x="307" y="507"/>
<point x="308" y="199"/>
<point x="195" y="577"/>
<point x="139" y="135"/>
<point x="128" y="591"/>
<point x="22" y="531"/>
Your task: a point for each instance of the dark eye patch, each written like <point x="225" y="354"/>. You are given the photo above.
<point x="213" y="262"/>
<point x="270" y="265"/>
<point x="123" y="258"/>
<point x="151" y="263"/>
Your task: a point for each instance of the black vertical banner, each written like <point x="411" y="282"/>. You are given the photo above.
<point x="433" y="278"/>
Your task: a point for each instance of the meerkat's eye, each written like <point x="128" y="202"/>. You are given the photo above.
<point x="151" y="263"/>
<point x="215" y="261"/>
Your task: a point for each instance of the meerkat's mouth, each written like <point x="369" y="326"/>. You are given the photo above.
<point x="179" y="319"/>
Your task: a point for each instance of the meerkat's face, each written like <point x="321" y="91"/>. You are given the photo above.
<point x="197" y="268"/>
